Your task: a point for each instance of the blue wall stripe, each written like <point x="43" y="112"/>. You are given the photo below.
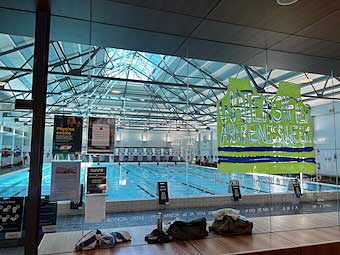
<point x="263" y="159"/>
<point x="263" y="148"/>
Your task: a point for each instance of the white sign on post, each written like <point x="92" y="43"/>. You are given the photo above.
<point x="95" y="205"/>
<point x="65" y="181"/>
<point x="95" y="208"/>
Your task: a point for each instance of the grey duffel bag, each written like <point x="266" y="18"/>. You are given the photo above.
<point x="230" y="226"/>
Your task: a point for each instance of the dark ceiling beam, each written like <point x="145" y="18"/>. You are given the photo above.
<point x="171" y="92"/>
<point x="167" y="103"/>
<point x="324" y="86"/>
<point x="69" y="81"/>
<point x="206" y="73"/>
<point x="257" y="87"/>
<point x="93" y="54"/>
<point x="86" y="76"/>
<point x="71" y="57"/>
<point x="16" y="49"/>
<point x="262" y="77"/>
<point x="136" y="117"/>
<point x="184" y="85"/>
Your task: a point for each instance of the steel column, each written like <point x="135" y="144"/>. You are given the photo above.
<point x="39" y="89"/>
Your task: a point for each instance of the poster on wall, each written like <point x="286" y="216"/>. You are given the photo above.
<point x="96" y="180"/>
<point x="101" y="135"/>
<point x="67" y="134"/>
<point x="11" y="217"/>
<point x="264" y="134"/>
<point x="65" y="181"/>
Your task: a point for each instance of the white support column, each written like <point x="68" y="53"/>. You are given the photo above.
<point x="1" y="138"/>
<point x="13" y="147"/>
<point x="1" y="141"/>
<point x="22" y="154"/>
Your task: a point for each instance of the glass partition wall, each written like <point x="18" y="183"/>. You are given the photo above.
<point x="317" y="206"/>
<point x="132" y="136"/>
<point x="268" y="138"/>
<point x="15" y="140"/>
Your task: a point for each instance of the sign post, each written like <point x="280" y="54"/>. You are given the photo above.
<point x="163" y="193"/>
<point x="96" y="180"/>
<point x="48" y="215"/>
<point x="95" y="206"/>
<point x="296" y="188"/>
<point x="235" y="188"/>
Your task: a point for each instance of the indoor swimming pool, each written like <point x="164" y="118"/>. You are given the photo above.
<point x="131" y="181"/>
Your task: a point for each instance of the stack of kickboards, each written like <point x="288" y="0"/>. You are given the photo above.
<point x="227" y="221"/>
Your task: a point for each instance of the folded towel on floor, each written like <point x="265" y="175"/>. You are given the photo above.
<point x="219" y="214"/>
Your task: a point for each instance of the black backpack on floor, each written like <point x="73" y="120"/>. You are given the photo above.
<point x="195" y="229"/>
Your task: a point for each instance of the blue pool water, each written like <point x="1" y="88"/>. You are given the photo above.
<point x="131" y="181"/>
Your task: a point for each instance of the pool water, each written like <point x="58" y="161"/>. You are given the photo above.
<point x="130" y="181"/>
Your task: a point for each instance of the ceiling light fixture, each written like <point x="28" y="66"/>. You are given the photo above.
<point x="286" y="2"/>
<point x="2" y="84"/>
<point x="115" y="91"/>
<point x="306" y="80"/>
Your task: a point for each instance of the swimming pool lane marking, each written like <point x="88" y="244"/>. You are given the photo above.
<point x="249" y="188"/>
<point x="20" y="182"/>
<point x="154" y="174"/>
<point x="139" y="186"/>
<point x="183" y="183"/>
<point x="171" y="168"/>
<point x="146" y="191"/>
<point x="10" y="186"/>
<point x="189" y="185"/>
<point x="200" y="169"/>
<point x="25" y="188"/>
<point x="14" y="172"/>
<point x="246" y="174"/>
<point x="242" y="186"/>
<point x="22" y="178"/>
<point x="200" y="176"/>
<point x="195" y="186"/>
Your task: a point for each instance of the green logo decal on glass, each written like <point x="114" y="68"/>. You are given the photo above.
<point x="256" y="133"/>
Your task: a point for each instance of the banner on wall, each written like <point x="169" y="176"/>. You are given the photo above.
<point x="96" y="180"/>
<point x="11" y="217"/>
<point x="101" y="135"/>
<point x="65" y="181"/>
<point x="67" y="134"/>
<point x="256" y="133"/>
